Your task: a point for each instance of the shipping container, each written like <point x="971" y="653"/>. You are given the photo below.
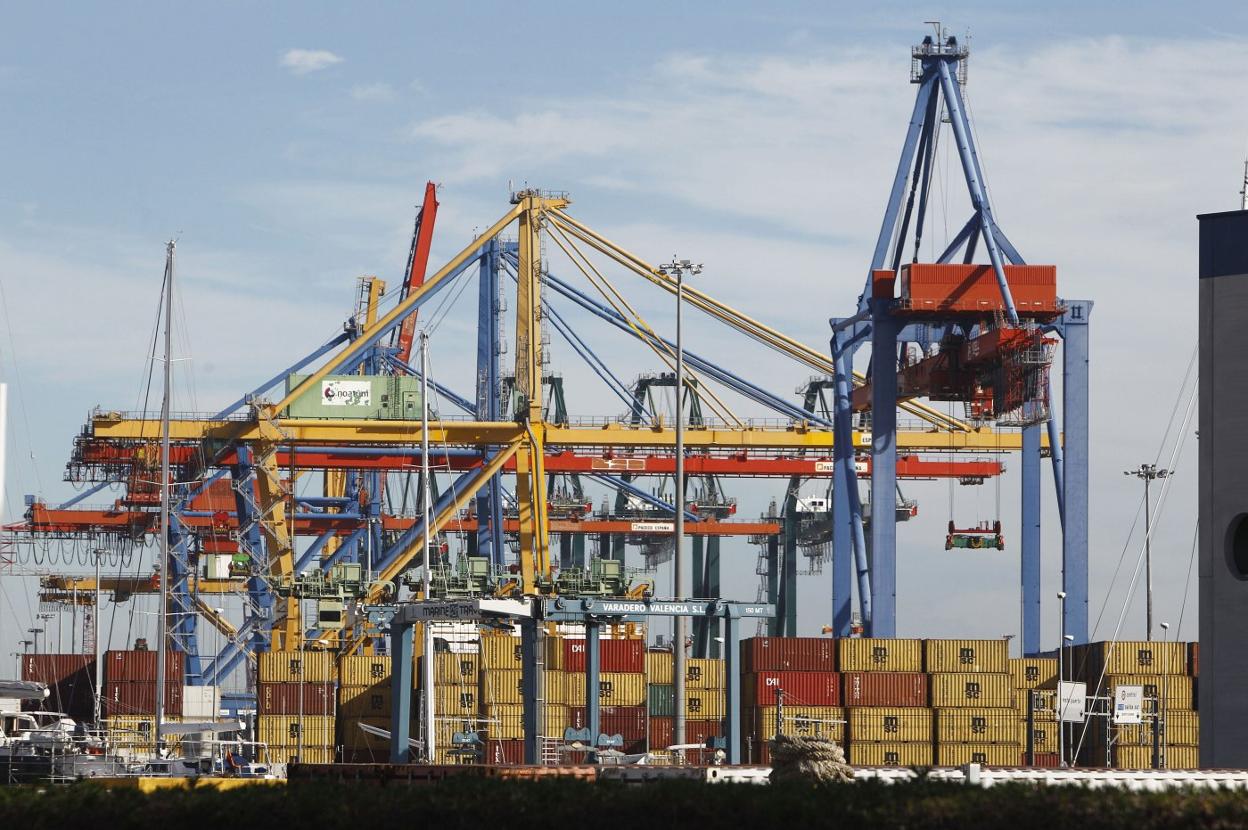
<point x="954" y="287"/>
<point x="661" y="701"/>
<point x="1045" y="703"/>
<point x="135" y="666"/>
<point x="1182" y="728"/>
<point x="355" y="738"/>
<point x="809" y="654"/>
<point x="659" y="667"/>
<point x="372" y="397"/>
<point x="627" y="721"/>
<point x="991" y="656"/>
<point x="1044" y="735"/>
<point x="991" y="691"/>
<point x="1092" y="660"/>
<point x="800" y="688"/>
<point x="297" y="667"/>
<point x="615" y="656"/>
<point x="1141" y="757"/>
<point x="70" y="679"/>
<point x="501" y="651"/>
<point x="455" y="668"/>
<point x="139" y="699"/>
<point x="1043" y="760"/>
<point x="1178" y="692"/>
<point x="890" y="754"/>
<point x="503" y="752"/>
<point x="51" y="669"/>
<point x="978" y="726"/>
<point x="874" y="654"/>
<point x="452" y="701"/>
<point x="622" y="689"/>
<point x="135" y="735"/>
<point x="704" y="674"/>
<point x="366" y="701"/>
<point x="1033" y="672"/>
<point x="295" y="699"/>
<point x="364" y="669"/>
<point x="992" y="755"/>
<point x="502" y="686"/>
<point x="884" y="688"/>
<point x="877" y="723"/>
<point x="819" y="721"/>
<point x="201" y="702"/>
<point x="290" y="730"/>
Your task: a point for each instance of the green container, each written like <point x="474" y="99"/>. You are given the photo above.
<point x="371" y="397"/>
<point x="661" y="698"/>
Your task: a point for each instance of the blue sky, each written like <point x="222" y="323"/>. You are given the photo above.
<point x="759" y="141"/>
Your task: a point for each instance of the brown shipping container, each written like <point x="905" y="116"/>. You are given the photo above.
<point x="884" y="688"/>
<point x="878" y="654"/>
<point x="140" y="698"/>
<point x="993" y="755"/>
<point x="503" y="753"/>
<point x="295" y="699"/>
<point x="800" y="688"/>
<point x="628" y="721"/>
<point x="966" y="656"/>
<point x="889" y="754"/>
<point x="811" y="654"/>
<point x="1044" y="760"/>
<point x="985" y="690"/>
<point x="136" y="666"/>
<point x="627" y="656"/>
<point x="53" y="668"/>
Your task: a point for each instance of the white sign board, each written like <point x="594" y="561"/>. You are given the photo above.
<point x="1071" y="699"/>
<point x="347" y="393"/>
<point x="1129" y="704"/>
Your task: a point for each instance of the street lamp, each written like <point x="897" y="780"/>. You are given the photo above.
<point x="1149" y="473"/>
<point x="678" y="268"/>
<point x="34" y="635"/>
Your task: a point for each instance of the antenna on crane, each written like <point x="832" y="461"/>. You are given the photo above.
<point x="1243" y="190"/>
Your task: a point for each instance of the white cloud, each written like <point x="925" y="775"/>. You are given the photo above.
<point x="373" y="92"/>
<point x="303" y="61"/>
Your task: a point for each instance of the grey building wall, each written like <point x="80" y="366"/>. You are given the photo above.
<point x="1223" y="490"/>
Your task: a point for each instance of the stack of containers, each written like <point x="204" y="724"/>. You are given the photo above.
<point x="70" y="679"/>
<point x="1036" y="676"/>
<point x="621" y="689"/>
<point x="128" y="701"/>
<point x="457" y="681"/>
<point x="972" y="696"/>
<point x="705" y="702"/>
<point x="804" y="670"/>
<point x="885" y="695"/>
<point x="295" y="702"/>
<point x="364" y="698"/>
<point x="502" y="697"/>
<point x="1162" y="668"/>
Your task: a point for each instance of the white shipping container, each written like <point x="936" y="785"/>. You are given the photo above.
<point x="200" y="702"/>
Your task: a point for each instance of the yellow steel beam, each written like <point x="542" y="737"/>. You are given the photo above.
<point x="317" y="431"/>
<point x="134" y="585"/>
<point x="404" y="307"/>
<point x="272" y="495"/>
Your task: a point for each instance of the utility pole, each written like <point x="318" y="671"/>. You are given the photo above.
<point x="1149" y="473"/>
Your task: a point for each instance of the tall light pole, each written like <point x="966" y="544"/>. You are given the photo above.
<point x="1149" y="473"/>
<point x="678" y="268"/>
<point x="1163" y="708"/>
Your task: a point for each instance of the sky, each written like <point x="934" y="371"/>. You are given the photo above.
<point x="285" y="146"/>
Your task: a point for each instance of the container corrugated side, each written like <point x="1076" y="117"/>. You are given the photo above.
<point x="1045" y="705"/>
<point x="501" y="651"/>
<point x="1033" y="672"/>
<point x="879" y="723"/>
<point x="1182" y="728"/>
<point x="966" y="656"/>
<point x="815" y="721"/>
<point x="136" y="666"/>
<point x="661" y="700"/>
<point x="883" y="688"/>
<point x="355" y="738"/>
<point x="812" y="654"/>
<point x="505" y="721"/>
<point x="704" y="673"/>
<point x="705" y="704"/>
<point x="1044" y="734"/>
<point x="1128" y="657"/>
<point x="628" y="721"/>
<point x="502" y="686"/>
<point x="455" y="668"/>
<point x="992" y="755"/>
<point x="295" y="699"/>
<point x="622" y="688"/>
<point x="139" y="698"/>
<point x="1141" y="757"/>
<point x="800" y="688"/>
<point x="456" y="700"/>
<point x="136" y="734"/>
<point x="51" y="669"/>
<point x="614" y="656"/>
<point x="305" y="754"/>
<point x="297" y="667"/>
<point x="891" y="754"/>
<point x="979" y="726"/>
<point x="365" y="701"/>
<point x="364" y="669"/>
<point x="288" y="730"/>
<point x="992" y="691"/>
<point x="877" y="654"/>
<point x="1178" y="691"/>
<point x="659" y="667"/>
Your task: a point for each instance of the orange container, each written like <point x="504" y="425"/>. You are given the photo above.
<point x="973" y="288"/>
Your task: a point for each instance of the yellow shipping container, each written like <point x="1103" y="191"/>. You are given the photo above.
<point x="365" y="701"/>
<point x="1130" y="657"/>
<point x="891" y="754"/>
<point x="500" y="651"/>
<point x="977" y="726"/>
<point x="704" y="673"/>
<point x="991" y="656"/>
<point x="990" y="691"/>
<point x="659" y="668"/>
<point x="291" y="730"/>
<point x="704" y="704"/>
<point x="136" y="734"/>
<point x="353" y="737"/>
<point x="1044" y="733"/>
<point x="993" y="755"/>
<point x="455" y="668"/>
<point x="502" y="686"/>
<point x="882" y="723"/>
<point x="297" y="667"/>
<point x="364" y="669"/>
<point x="1182" y="728"/>
<point x="877" y="654"/>
<point x="505" y="721"/>
<point x="305" y="755"/>
<point x="1033" y="672"/>
<point x="1177" y="691"/>
<point x="817" y="721"/>
<point x="452" y="701"/>
<point x="1046" y="703"/>
<point x="1141" y="757"/>
<point x="623" y="689"/>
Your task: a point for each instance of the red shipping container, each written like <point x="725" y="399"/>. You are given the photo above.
<point x="503" y="753"/>
<point x="217" y="496"/>
<point x="800" y="688"/>
<point x="957" y="287"/>
<point x="135" y="666"/>
<point x="614" y="655"/>
<point x="869" y="688"/>
<point x="296" y="699"/>
<point x="627" y="721"/>
<point x="140" y="699"/>
<point x="53" y="668"/>
<point x="662" y="732"/>
<point x="809" y="654"/>
<point x="1048" y="760"/>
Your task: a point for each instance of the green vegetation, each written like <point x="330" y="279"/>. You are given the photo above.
<point x="499" y="804"/>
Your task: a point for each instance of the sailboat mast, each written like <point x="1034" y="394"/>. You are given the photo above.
<point x="426" y="520"/>
<point x="164" y="500"/>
